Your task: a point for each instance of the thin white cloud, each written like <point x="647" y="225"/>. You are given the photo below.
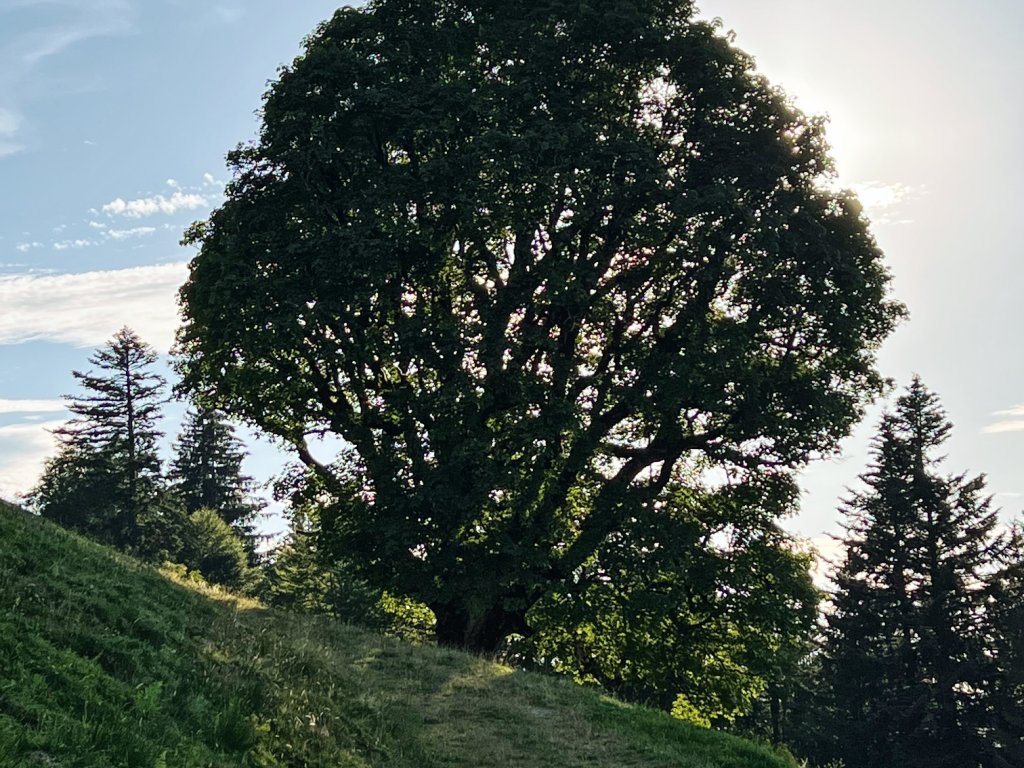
<point x="85" y="309"/>
<point x="63" y="245"/>
<point x="53" y="27"/>
<point x="24" y="247"/>
<point x="32" y="406"/>
<point x="53" y="41"/>
<point x="10" y="122"/>
<point x="127" y="234"/>
<point x="1014" y="422"/>
<point x="23" y="449"/>
<point x="1008" y="425"/>
<point x="1017" y="410"/>
<point x="74" y="21"/>
<point x="148" y="206"/>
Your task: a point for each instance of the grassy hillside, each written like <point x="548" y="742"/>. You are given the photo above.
<point x="105" y="662"/>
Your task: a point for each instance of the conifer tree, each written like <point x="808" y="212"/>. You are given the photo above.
<point x="1008" y="699"/>
<point x="105" y="479"/>
<point x="910" y="640"/>
<point x="206" y="471"/>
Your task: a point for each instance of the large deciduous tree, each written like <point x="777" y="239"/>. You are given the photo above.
<point x="531" y="261"/>
<point x="105" y="479"/>
<point x="913" y="640"/>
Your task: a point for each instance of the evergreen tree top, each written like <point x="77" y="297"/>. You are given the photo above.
<point x="910" y="640"/>
<point x="121" y="397"/>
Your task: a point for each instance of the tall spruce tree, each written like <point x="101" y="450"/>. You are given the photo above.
<point x="1008" y="701"/>
<point x="206" y="471"/>
<point x="105" y="480"/>
<point x="911" y="638"/>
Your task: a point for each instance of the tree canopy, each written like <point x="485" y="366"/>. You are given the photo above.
<point x="535" y="263"/>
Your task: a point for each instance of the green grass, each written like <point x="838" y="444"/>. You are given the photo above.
<point x="106" y="662"/>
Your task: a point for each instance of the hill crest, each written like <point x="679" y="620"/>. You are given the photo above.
<point x="108" y="662"/>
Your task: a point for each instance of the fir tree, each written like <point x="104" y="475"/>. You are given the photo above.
<point x="1008" y="699"/>
<point x="910" y="640"/>
<point x="105" y="479"/>
<point x="207" y="471"/>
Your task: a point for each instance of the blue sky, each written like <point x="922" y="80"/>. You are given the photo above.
<point x="115" y="116"/>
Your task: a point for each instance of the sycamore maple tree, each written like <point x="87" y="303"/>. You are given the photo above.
<point x="536" y="263"/>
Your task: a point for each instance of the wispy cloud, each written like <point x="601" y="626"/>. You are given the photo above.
<point x="1011" y="420"/>
<point x="32" y="406"/>
<point x="63" y="245"/>
<point x="1008" y="425"/>
<point x="49" y="28"/>
<point x="148" y="206"/>
<point x="86" y="308"/>
<point x="104" y="235"/>
<point x="1017" y="410"/>
<point x="98" y="230"/>
<point x="71" y="22"/>
<point x="10" y="122"/>
<point x="127" y="234"/>
<point x="23" y="449"/>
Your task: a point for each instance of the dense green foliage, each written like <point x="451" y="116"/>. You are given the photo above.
<point x="537" y="264"/>
<point x="105" y="480"/>
<point x="214" y="549"/>
<point x="108" y="664"/>
<point x="912" y="659"/>
<point x="698" y="608"/>
<point x="301" y="577"/>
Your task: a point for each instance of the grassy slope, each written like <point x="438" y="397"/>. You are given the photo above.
<point x="104" y="662"/>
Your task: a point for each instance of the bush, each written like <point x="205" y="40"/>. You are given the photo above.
<point x="215" y="550"/>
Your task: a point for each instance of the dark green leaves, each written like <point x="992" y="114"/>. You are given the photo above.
<point x="530" y="262"/>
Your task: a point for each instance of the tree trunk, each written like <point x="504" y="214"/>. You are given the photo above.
<point x="476" y="632"/>
<point x="775" y="706"/>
